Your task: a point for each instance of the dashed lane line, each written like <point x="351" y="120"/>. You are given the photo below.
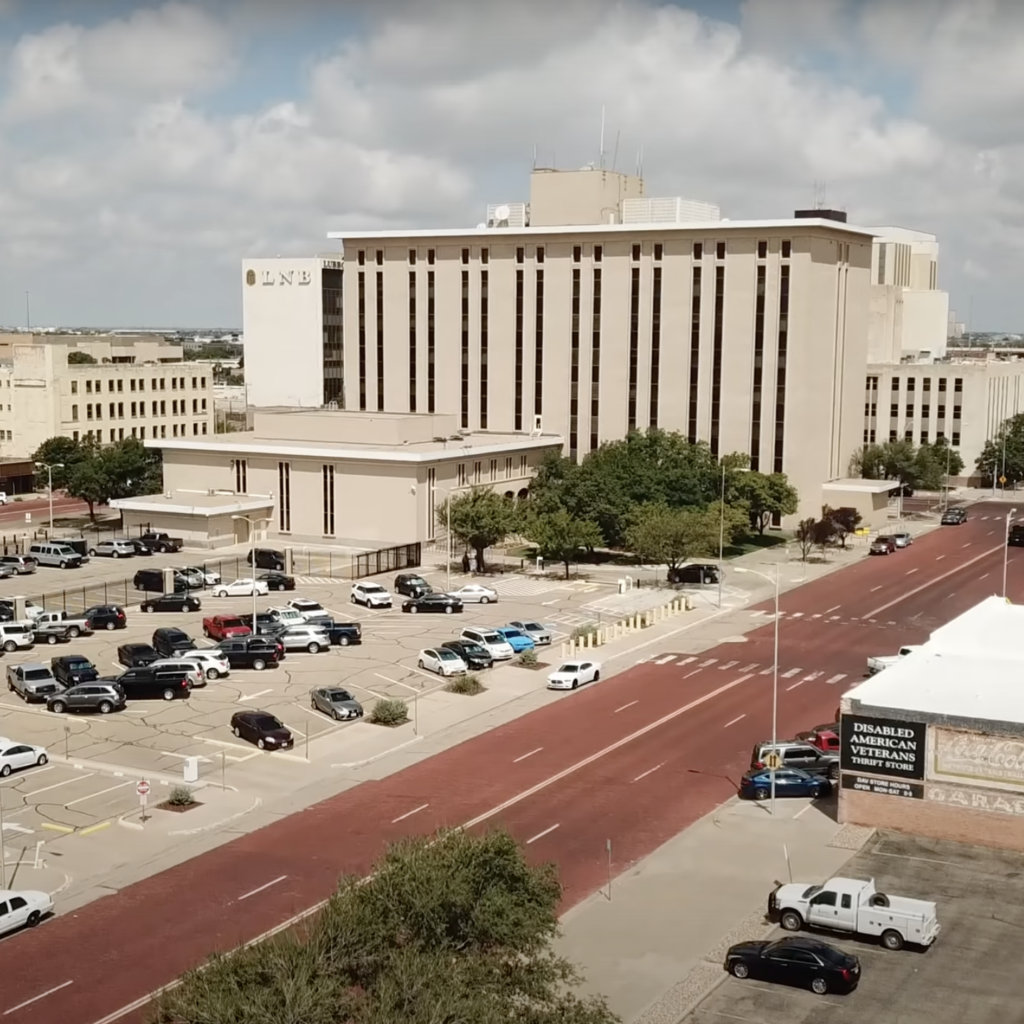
<point x="541" y="835"/>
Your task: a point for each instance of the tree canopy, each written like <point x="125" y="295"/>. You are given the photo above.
<point x="80" y="357"/>
<point x="559" y="535"/>
<point x="921" y="466"/>
<point x="448" y="928"/>
<point x="1003" y="454"/>
<point x="480" y="518"/>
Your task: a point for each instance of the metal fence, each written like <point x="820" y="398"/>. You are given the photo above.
<point x="369" y="563"/>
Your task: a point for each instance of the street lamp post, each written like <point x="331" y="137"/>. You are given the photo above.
<point x="448" y="541"/>
<point x="50" y="467"/>
<point x="1006" y="546"/>
<point x="253" y="523"/>
<point x="775" y="673"/>
<point x="721" y="537"/>
<point x="3" y="852"/>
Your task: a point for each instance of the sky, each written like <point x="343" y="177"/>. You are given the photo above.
<point x="147" y="148"/>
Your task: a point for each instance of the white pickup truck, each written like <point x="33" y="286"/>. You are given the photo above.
<point x="883" y="661"/>
<point x="851" y="905"/>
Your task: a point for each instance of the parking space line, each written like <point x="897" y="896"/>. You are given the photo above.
<point x="246" y="895"/>
<point x="665" y="661"/>
<point x="541" y="835"/>
<point x="46" y="789"/>
<point x="253" y="696"/>
<point x="92" y="796"/>
<point x="734" y="721"/>
<point x="415" y="689"/>
<point x="356" y="686"/>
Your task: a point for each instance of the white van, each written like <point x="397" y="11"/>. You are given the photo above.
<point x="61" y="555"/>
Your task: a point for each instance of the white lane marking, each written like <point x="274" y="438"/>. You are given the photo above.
<point x="35" y="999"/>
<point x="797" y="615"/>
<point x="739" y="718"/>
<point x="552" y="601"/>
<point x="939" y="558"/>
<point x="523" y="757"/>
<point x="46" y="789"/>
<point x="624" y="706"/>
<point x="838" y="678"/>
<point x="14" y="827"/>
<point x="92" y="796"/>
<point x="910" y="571"/>
<point x="526" y="794"/>
<point x="748" y="668"/>
<point x="967" y="545"/>
<point x="685" y="661"/>
<point x="727" y="665"/>
<point x="812" y="676"/>
<point x="792" y="672"/>
<point x="767" y="671"/>
<point x="541" y="835"/>
<point x="799" y="682"/>
<point x="643" y="775"/>
<point x="665" y="661"/>
<point x="834" y="618"/>
<point x="803" y="811"/>
<point x="253" y="892"/>
<point x="693" y="673"/>
<point x="818" y="616"/>
<point x="409" y="814"/>
<point x="985" y="577"/>
<point x="707" y="662"/>
<point x="834" y="608"/>
<point x="253" y="696"/>
<point x="879" y="587"/>
<point x="388" y="679"/>
<point x="930" y="583"/>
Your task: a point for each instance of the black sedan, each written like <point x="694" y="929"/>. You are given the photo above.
<point x="183" y="602"/>
<point x="277" y="580"/>
<point x="432" y="602"/>
<point x="138" y="547"/>
<point x="137" y="655"/>
<point x="801" y="961"/>
<point x="105" y="616"/>
<point x="475" y="656"/>
<point x="263" y="729"/>
<point x="954" y="517"/>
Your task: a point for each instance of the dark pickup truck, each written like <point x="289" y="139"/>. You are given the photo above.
<point x="161" y="542"/>
<point x="341" y="633"/>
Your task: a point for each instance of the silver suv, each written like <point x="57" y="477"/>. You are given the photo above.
<point x="98" y="696"/>
<point x="305" y="638"/>
<point x="113" y="549"/>
<point x="32" y="682"/>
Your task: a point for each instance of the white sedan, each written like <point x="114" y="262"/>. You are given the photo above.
<point x="214" y="664"/>
<point x="573" y="674"/>
<point x="208" y="576"/>
<point x="18" y="908"/>
<point x="241" y="588"/>
<point x="473" y="593"/>
<point x="442" y="661"/>
<point x="20" y="755"/>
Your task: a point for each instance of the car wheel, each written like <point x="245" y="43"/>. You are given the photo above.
<point x="206" y="632"/>
<point x="448" y="609"/>
<point x="34" y="918"/>
<point x="575" y="683"/>
<point x="10" y="647"/>
<point x="236" y="730"/>
<point x="413" y="610"/>
<point x="74" y="632"/>
<point x="63" y="565"/>
<point x="760" y="794"/>
<point x="485" y="600"/>
<point x="114" y="554"/>
<point x="42" y="759"/>
<point x="892" y="940"/>
<point x="162" y="549"/>
<point x="5" y="771"/>
<point x="261" y="744"/>
<point x="92" y="552"/>
<point x="344" y="641"/>
<point x="336" y="716"/>
<point x="168" y="695"/>
<point x="739" y="969"/>
<point x="222" y="593"/>
<point x="313" y="648"/>
<point x="259" y="664"/>
<point x="105" y="707"/>
<point x="110" y="625"/>
<point x="353" y="599"/>
<point x="791" y="921"/>
<point x="420" y="663"/>
<point x="212" y="673"/>
<point x="10" y="686"/>
<point x="57" y="707"/>
<point x="819" y="986"/>
<point x="597" y="676"/>
<point x="147" y="608"/>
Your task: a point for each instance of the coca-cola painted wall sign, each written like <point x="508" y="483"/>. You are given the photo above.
<point x="967" y="755"/>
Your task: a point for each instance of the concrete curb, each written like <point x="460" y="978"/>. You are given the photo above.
<point x="131" y="824"/>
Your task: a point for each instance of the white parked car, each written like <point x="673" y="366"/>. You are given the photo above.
<point x="20" y="755"/>
<point x="473" y="593"/>
<point x="214" y="664"/>
<point x="573" y="674"/>
<point x="32" y="611"/>
<point x="373" y="595"/>
<point x="442" y="661"/>
<point x="305" y="638"/>
<point x="208" y="576"/>
<point x="494" y="643"/>
<point x="22" y="907"/>
<point x="241" y="588"/>
<point x="308" y="608"/>
<point x="287" y="616"/>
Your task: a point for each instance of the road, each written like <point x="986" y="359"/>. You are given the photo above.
<point x="634" y="760"/>
<point x="12" y="516"/>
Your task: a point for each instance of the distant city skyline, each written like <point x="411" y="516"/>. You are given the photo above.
<point x="149" y="148"/>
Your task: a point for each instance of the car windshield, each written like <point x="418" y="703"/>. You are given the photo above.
<point x="446" y="655"/>
<point x="811" y="891"/>
<point x="339" y="695"/>
<point x="231" y="623"/>
<point x="511" y="633"/>
<point x="78" y="666"/>
<point x="571" y="667"/>
<point x="470" y="648"/>
<point x="493" y="638"/>
<point x="309" y="606"/>
<point x="533" y="627"/>
<point x="266" y="722"/>
<point x="372" y="588"/>
<point x="37" y="673"/>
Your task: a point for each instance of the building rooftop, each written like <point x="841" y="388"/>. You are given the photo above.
<point x="202" y="503"/>
<point x="970" y="669"/>
<point x="796" y="225"/>
<point x="865" y="486"/>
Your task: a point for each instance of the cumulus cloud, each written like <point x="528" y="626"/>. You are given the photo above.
<point x="139" y="171"/>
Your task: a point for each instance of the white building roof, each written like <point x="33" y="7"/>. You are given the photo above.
<point x="796" y="225"/>
<point x="971" y="668"/>
<point x="866" y="486"/>
<point x="195" y="503"/>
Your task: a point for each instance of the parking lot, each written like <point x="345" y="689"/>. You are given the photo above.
<point x="971" y="973"/>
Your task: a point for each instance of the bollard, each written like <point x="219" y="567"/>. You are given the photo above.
<point x="565" y="650"/>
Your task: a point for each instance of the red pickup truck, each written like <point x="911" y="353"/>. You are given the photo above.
<point x="824" y="737"/>
<point x="224" y="627"/>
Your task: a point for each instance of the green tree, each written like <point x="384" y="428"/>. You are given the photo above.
<point x="766" y="495"/>
<point x="806" y="536"/>
<point x="88" y="482"/>
<point x="1003" y="454"/>
<point x="560" y="536"/>
<point x="447" y="928"/>
<point x="844" y="522"/>
<point x="61" y="453"/>
<point x="480" y="518"/>
<point x="131" y="468"/>
<point x="80" y="358"/>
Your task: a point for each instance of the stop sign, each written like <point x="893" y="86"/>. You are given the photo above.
<point x="142" y="788"/>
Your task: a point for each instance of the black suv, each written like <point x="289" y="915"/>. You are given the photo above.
<point x="153" y="580"/>
<point x="411" y="584"/>
<point x="694" y="572"/>
<point x="72" y="669"/>
<point x="1016" y="536"/>
<point x="169" y="641"/>
<point x="256" y="652"/>
<point x="795" y="754"/>
<point x="472" y="654"/>
<point x="105" y="616"/>
<point x="136" y="655"/>
<point x="267" y="558"/>
<point x="954" y="517"/>
<point x="154" y="682"/>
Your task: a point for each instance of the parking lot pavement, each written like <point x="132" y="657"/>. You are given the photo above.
<point x="972" y="972"/>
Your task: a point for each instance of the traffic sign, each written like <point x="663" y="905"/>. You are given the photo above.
<point x="773" y="761"/>
<point x="142" y="788"/>
<point x="1002" y="479"/>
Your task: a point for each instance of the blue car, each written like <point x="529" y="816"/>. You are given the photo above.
<point x="517" y="639"/>
<point x="757" y="785"/>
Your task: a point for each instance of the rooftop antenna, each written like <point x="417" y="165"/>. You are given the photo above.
<point x="615" y="157"/>
<point x="602" y="138"/>
<point x="640" y="171"/>
<point x="535" y="156"/>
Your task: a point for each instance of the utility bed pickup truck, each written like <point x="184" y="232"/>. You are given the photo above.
<point x="161" y="542"/>
<point x="854" y="906"/>
<point x="54" y="622"/>
<point x="883" y="661"/>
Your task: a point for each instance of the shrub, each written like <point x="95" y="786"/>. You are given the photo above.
<point x="587" y="629"/>
<point x="390" y="712"/>
<point x="181" y="796"/>
<point x="528" y="659"/>
<point x="469" y="685"/>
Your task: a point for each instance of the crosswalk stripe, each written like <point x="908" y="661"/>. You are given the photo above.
<point x="836" y="678"/>
<point x="766" y="671"/>
<point x="750" y="667"/>
<point x="728" y="665"/>
<point x="795" y="615"/>
<point x="812" y="676"/>
<point x="789" y="675"/>
<point x="665" y="661"/>
<point x="686" y="661"/>
<point x="709" y="661"/>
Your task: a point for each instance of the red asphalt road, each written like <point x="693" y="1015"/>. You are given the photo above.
<point x="14" y="513"/>
<point x="635" y="760"/>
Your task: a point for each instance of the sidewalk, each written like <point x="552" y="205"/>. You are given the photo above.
<point x="654" y="947"/>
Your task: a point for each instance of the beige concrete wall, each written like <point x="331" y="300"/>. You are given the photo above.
<point x="348" y="426"/>
<point x="591" y="196"/>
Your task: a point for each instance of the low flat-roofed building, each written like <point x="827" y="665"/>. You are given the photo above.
<point x="869" y="497"/>
<point x="332" y="477"/>
<point x="934" y="744"/>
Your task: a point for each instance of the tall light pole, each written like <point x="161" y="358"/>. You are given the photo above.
<point x="1006" y="546"/>
<point x="775" y="673"/>
<point x="721" y="532"/>
<point x="949" y="452"/>
<point x="448" y="530"/>
<point x="3" y="852"/>
<point x="50" y="467"/>
<point x="253" y="523"/>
